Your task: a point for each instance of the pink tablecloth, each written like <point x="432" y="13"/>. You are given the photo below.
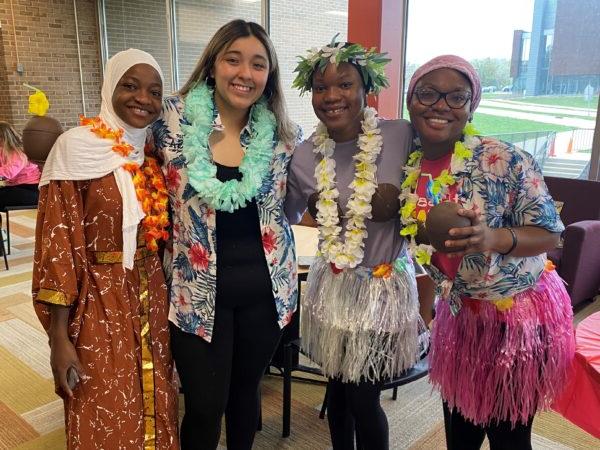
<point x="580" y="402"/>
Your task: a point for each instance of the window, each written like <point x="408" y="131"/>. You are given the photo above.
<point x="525" y="47"/>
<point x="538" y="68"/>
<point x="197" y="21"/>
<point x="295" y="28"/>
<point x="126" y="26"/>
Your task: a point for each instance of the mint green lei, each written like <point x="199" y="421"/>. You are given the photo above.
<point x="202" y="172"/>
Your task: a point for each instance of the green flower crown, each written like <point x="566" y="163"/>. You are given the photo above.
<point x="369" y="63"/>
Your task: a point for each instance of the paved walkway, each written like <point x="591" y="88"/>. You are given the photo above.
<point x="565" y="121"/>
<point x="548" y="109"/>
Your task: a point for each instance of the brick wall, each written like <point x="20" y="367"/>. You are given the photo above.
<point x="47" y="48"/>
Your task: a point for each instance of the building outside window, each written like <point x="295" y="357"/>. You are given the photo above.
<point x="539" y="69"/>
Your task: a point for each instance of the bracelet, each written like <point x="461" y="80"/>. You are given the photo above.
<point x="514" y="241"/>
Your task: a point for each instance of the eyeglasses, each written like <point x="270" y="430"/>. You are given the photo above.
<point x="454" y="99"/>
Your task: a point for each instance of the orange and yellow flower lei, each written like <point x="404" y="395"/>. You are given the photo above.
<point x="148" y="181"/>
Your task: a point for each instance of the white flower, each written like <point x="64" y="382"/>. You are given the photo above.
<point x="360" y="60"/>
<point x="331" y="52"/>
<point x="471" y="141"/>
<point x="408" y="197"/>
<point x="313" y="55"/>
<point x="350" y="252"/>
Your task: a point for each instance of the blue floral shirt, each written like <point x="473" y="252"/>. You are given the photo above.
<point x="190" y="263"/>
<point x="507" y="185"/>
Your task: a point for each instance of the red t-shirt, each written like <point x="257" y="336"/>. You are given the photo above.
<point x="430" y="169"/>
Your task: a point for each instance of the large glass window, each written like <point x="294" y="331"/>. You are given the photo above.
<point x="128" y="25"/>
<point x="296" y="27"/>
<point x="547" y="105"/>
<point x="197" y="21"/>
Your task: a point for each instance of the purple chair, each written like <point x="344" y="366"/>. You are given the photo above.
<point x="578" y="261"/>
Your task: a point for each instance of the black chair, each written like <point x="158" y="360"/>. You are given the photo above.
<point x="2" y="248"/>
<point x="287" y="357"/>
<point x="287" y="360"/>
<point x="6" y="210"/>
<point x="419" y="370"/>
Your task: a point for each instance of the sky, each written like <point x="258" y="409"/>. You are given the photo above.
<point x="472" y="29"/>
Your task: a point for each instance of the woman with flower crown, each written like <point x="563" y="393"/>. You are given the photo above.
<point x="226" y="143"/>
<point x="98" y="284"/>
<point x="360" y="315"/>
<point x="503" y="337"/>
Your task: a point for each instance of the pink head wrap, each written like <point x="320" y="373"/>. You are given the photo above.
<point x="448" y="62"/>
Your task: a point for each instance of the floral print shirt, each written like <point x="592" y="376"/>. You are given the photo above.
<point x="190" y="263"/>
<point x="507" y="185"/>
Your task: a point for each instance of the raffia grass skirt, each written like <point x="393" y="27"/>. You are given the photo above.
<point x="504" y="366"/>
<point x="359" y="327"/>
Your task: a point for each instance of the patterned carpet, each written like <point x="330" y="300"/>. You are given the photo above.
<point x="31" y="416"/>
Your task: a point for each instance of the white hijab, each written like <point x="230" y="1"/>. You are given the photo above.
<point x="78" y="154"/>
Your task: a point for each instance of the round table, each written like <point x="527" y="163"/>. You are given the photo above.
<point x="580" y="401"/>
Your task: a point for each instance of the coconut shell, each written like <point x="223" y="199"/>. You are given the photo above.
<point x="440" y="219"/>
<point x="39" y="135"/>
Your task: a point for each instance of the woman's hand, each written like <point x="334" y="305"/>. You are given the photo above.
<point x="529" y="240"/>
<point x="62" y="357"/>
<point x="476" y="238"/>
<point x="62" y="352"/>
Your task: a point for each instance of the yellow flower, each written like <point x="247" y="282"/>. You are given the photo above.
<point x="504" y="304"/>
<point x="38" y="103"/>
<point x="407" y="209"/>
<point x="470" y="130"/>
<point x="411" y="179"/>
<point x="462" y="152"/>
<point x="445" y="178"/>
<point x="422" y="216"/>
<point x="414" y="157"/>
<point x="409" y="230"/>
<point x="422" y="256"/>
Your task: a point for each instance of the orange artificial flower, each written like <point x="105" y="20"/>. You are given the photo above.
<point x="382" y="270"/>
<point x="150" y="188"/>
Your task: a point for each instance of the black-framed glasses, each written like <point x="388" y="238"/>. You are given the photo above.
<point x="454" y="99"/>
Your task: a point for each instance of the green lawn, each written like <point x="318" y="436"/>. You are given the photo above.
<point x="496" y="95"/>
<point x="488" y="124"/>
<point x="576" y="101"/>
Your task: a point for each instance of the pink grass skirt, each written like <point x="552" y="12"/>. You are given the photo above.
<point x="493" y="365"/>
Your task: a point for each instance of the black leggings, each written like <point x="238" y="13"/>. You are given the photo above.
<point x="462" y="434"/>
<point x="356" y="407"/>
<point x="224" y="376"/>
<point x="19" y="195"/>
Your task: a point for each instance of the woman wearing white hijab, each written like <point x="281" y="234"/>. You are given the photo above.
<point x="98" y="285"/>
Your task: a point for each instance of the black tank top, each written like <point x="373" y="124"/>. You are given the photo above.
<point x="242" y="274"/>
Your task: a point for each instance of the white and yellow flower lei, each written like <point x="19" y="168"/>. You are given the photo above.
<point x="463" y="151"/>
<point x="350" y="253"/>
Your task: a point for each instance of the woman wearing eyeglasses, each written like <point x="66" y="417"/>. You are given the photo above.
<point x="503" y="337"/>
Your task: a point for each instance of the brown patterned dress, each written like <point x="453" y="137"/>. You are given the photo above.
<point x="118" y="320"/>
